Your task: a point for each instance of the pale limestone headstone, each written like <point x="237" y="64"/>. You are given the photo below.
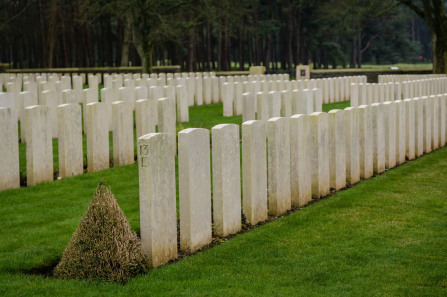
<point x="319" y="153"/>
<point x="146" y="114"/>
<point x="69" y="121"/>
<point x="378" y="139"/>
<point x="302" y="102"/>
<point x="352" y="146"/>
<point x="182" y="104"/>
<point x="409" y="106"/>
<point x="286" y="104"/>
<point x="237" y="102"/>
<point x="226" y="179"/>
<point x="317" y="100"/>
<point x="248" y="107"/>
<point x="254" y="171"/>
<point x="300" y="183"/>
<point x="158" y="215"/>
<point x="39" y="146"/>
<point x="194" y="188"/>
<point x="419" y="127"/>
<point x="207" y="90"/>
<point x="274" y="104"/>
<point x="227" y="98"/>
<point x="191" y="87"/>
<point x="262" y="111"/>
<point x="400" y="131"/>
<point x="49" y="100"/>
<point x="434" y="126"/>
<point x="97" y="137"/>
<point x="441" y="120"/>
<point x="354" y="96"/>
<point x="198" y="99"/>
<point x="365" y="145"/>
<point x="427" y="122"/>
<point x="278" y="136"/>
<point x="337" y="147"/>
<point x="390" y="134"/>
<point x="123" y="141"/>
<point x="9" y="149"/>
<point x="215" y="89"/>
<point x="167" y="117"/>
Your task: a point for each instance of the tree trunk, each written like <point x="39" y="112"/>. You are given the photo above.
<point x="439" y="42"/>
<point x="127" y="39"/>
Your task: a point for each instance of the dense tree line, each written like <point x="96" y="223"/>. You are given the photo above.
<point x="212" y="34"/>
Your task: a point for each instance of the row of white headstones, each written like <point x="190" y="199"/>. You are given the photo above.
<point x="307" y="156"/>
<point x="41" y="123"/>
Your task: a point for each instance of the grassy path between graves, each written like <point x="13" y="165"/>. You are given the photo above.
<point x="386" y="236"/>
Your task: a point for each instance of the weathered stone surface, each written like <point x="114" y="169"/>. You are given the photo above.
<point x="207" y="90"/>
<point x="254" y="171"/>
<point x="302" y="102"/>
<point x="182" y="104"/>
<point x="70" y="140"/>
<point x="262" y="112"/>
<point x="39" y="146"/>
<point x="97" y="137"/>
<point x="123" y="141"/>
<point x="400" y="131"/>
<point x="198" y="98"/>
<point x="409" y="106"/>
<point x="237" y="95"/>
<point x="300" y="182"/>
<point x="9" y="149"/>
<point x="274" y="104"/>
<point x="441" y="120"/>
<point x="278" y="139"/>
<point x="248" y="109"/>
<point x="419" y="127"/>
<point x="434" y="102"/>
<point x="158" y="215"/>
<point x="337" y="149"/>
<point x="146" y="114"/>
<point x="352" y="146"/>
<point x="194" y="188"/>
<point x="378" y="139"/>
<point x="390" y="134"/>
<point x="286" y="104"/>
<point x="226" y="179"/>
<point x="49" y="100"/>
<point x="227" y="98"/>
<point x="365" y="141"/>
<point x="166" y="118"/>
<point x="427" y="122"/>
<point x="319" y="154"/>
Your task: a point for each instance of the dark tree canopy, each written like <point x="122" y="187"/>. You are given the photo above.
<point x="220" y="34"/>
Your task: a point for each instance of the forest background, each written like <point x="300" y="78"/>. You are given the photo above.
<point x="205" y="35"/>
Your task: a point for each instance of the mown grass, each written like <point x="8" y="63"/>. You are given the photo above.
<point x="384" y="237"/>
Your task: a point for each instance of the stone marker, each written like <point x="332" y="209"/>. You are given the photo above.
<point x="300" y="183"/>
<point x="262" y="112"/>
<point x="278" y="136"/>
<point x="434" y="102"/>
<point x="123" y="141"/>
<point x="286" y="104"/>
<point x="441" y="120"/>
<point x="207" y="90"/>
<point x="378" y="139"/>
<point x="227" y="98"/>
<point x="69" y="120"/>
<point x="158" y="215"/>
<point x="274" y="104"/>
<point x="248" y="107"/>
<point x="146" y="114"/>
<point x="400" y="131"/>
<point x="198" y="99"/>
<point x="337" y="149"/>
<point x="97" y="137"/>
<point x="226" y="179"/>
<point x="254" y="171"/>
<point x="319" y="154"/>
<point x="215" y="89"/>
<point x="182" y="104"/>
<point x="365" y="141"/>
<point x="9" y="149"/>
<point x="49" y="100"/>
<point x="409" y="106"/>
<point x="39" y="146"/>
<point x="419" y="127"/>
<point x="166" y="118"/>
<point x="390" y="134"/>
<point x="427" y="124"/>
<point x="237" y="103"/>
<point x="194" y="188"/>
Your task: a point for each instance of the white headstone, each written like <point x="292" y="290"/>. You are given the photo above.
<point x="9" y="150"/>
<point x="97" y="137"/>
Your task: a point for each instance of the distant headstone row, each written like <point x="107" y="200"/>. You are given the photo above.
<point x="307" y="156"/>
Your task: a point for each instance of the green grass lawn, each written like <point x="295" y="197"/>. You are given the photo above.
<point x="386" y="236"/>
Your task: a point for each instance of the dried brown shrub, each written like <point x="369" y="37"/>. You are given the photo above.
<point x="103" y="246"/>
